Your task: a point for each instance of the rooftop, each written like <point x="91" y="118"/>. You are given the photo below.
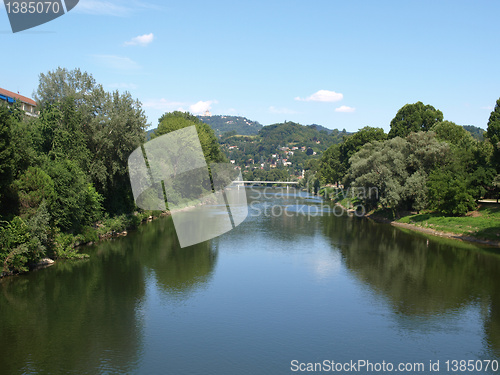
<point x="22" y="98"/>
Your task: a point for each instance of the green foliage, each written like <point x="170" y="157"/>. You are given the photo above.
<point x="296" y="143"/>
<point x="449" y="193"/>
<point x="290" y="133"/>
<point x="475" y="131"/>
<point x="96" y="129"/>
<point x="76" y="202"/>
<point x="33" y="187"/>
<point x="6" y="123"/>
<point x="472" y="156"/>
<point x="64" y="247"/>
<point x="335" y="160"/>
<point x="493" y="134"/>
<point x="178" y="120"/>
<point x="274" y="174"/>
<point x="413" y="118"/>
<point x="61" y="83"/>
<point x="22" y="242"/>
<point x="493" y="131"/>
<point x="483" y="224"/>
<point x="453" y="134"/>
<point x="398" y="169"/>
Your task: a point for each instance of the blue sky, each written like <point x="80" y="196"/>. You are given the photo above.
<point x="341" y="64"/>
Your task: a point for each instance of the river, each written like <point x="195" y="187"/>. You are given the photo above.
<point x="293" y="284"/>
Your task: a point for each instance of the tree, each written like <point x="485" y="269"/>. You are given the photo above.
<point x="397" y="169"/>
<point x="332" y="169"/>
<point x="33" y="187"/>
<point x="449" y="193"/>
<point x="176" y="120"/>
<point x="335" y="160"/>
<point x="413" y="118"/>
<point x="114" y="126"/>
<point x="6" y="122"/>
<point x="97" y="129"/>
<point x="454" y="134"/>
<point x="61" y="83"/>
<point x="76" y="203"/>
<point x="493" y="134"/>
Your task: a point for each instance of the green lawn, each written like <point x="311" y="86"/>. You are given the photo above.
<point x="484" y="223"/>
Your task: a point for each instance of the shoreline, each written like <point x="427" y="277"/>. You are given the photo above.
<point x="46" y="261"/>
<point x="433" y="232"/>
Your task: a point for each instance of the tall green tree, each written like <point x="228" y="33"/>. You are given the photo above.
<point x="6" y="172"/>
<point x="398" y="168"/>
<point x="493" y="134"/>
<point x="413" y="118"/>
<point x="61" y="83"/>
<point x="95" y="128"/>
<point x="472" y="155"/>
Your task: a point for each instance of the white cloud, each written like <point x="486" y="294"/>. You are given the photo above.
<point x="345" y="109"/>
<point x="102" y="8"/>
<point x="116" y="62"/>
<point x="163" y="105"/>
<point x="201" y="107"/>
<point x="488" y="107"/>
<point x="170" y="105"/>
<point x="141" y="40"/>
<point x="125" y="86"/>
<point x="323" y="96"/>
<point x="284" y="111"/>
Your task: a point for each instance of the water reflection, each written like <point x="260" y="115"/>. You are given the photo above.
<point x="421" y="276"/>
<point x="286" y="286"/>
<point x="76" y="317"/>
<point x="87" y="315"/>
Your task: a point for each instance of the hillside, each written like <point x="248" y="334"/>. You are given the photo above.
<point x="320" y="128"/>
<point x="223" y="124"/>
<point x="271" y="152"/>
<point x="475" y="131"/>
<point x="278" y="149"/>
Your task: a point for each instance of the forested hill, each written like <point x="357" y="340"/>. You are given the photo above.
<point x="240" y="125"/>
<point x="320" y="128"/>
<point x="286" y="147"/>
<point x="475" y="131"/>
<point x="291" y="133"/>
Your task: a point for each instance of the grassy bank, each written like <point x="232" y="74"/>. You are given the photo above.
<point x="482" y="224"/>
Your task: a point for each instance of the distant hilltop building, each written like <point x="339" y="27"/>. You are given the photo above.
<point x="207" y="113"/>
<point x="27" y="105"/>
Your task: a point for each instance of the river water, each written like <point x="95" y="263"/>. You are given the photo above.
<point x="293" y="284"/>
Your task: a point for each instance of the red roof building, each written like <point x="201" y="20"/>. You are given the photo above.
<point x="28" y="105"/>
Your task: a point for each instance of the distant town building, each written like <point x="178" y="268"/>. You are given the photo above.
<point x="27" y="105"/>
<point x="207" y="113"/>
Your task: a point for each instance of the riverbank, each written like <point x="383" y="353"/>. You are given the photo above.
<point x="480" y="226"/>
<point x="66" y="245"/>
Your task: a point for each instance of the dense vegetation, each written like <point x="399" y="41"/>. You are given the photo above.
<point x="63" y="174"/>
<point x="424" y="163"/>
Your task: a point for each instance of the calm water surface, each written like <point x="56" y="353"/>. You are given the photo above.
<point x="276" y="289"/>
